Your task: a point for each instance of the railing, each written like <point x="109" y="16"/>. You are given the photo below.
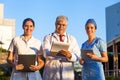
<point x="112" y="72"/>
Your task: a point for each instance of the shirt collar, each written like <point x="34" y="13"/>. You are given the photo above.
<point x="23" y="38"/>
<point x="59" y="34"/>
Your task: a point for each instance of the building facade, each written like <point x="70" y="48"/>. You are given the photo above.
<point x="7" y="29"/>
<point x="113" y="21"/>
<point x="113" y="39"/>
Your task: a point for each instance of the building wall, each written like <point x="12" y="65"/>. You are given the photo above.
<point x="113" y="21"/>
<point x="7" y="29"/>
<point x="1" y="11"/>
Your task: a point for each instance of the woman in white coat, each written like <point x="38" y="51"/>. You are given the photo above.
<point x="59" y="67"/>
<point x="25" y="44"/>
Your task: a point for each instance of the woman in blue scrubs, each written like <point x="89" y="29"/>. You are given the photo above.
<point x="92" y="63"/>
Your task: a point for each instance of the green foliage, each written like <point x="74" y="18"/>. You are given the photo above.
<point x="5" y="70"/>
<point x="3" y="50"/>
<point x="112" y="78"/>
<point x="4" y="77"/>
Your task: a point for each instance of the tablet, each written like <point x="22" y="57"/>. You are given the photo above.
<point x="26" y="60"/>
<point x="84" y="52"/>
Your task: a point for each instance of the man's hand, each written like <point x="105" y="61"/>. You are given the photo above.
<point x="66" y="53"/>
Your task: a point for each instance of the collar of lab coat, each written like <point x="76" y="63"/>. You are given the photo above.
<point x="56" y="34"/>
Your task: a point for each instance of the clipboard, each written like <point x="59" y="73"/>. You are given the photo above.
<point x="26" y="60"/>
<point x="57" y="46"/>
<point x="84" y="52"/>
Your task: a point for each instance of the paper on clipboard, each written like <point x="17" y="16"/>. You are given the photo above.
<point x="84" y="52"/>
<point x="57" y="46"/>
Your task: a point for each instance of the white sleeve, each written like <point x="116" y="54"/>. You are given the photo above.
<point x="74" y="49"/>
<point x="46" y="45"/>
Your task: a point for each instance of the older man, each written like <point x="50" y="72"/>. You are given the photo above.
<point x="59" y="67"/>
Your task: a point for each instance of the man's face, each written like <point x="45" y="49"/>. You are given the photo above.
<point x="61" y="27"/>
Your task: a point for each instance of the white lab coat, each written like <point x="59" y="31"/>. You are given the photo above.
<point x="59" y="68"/>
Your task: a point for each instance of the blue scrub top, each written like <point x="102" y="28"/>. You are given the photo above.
<point x="93" y="70"/>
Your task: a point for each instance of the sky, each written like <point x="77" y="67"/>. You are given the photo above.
<point x="44" y="13"/>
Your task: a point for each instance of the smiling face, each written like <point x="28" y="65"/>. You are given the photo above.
<point x="61" y="27"/>
<point x="28" y="28"/>
<point x="90" y="29"/>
